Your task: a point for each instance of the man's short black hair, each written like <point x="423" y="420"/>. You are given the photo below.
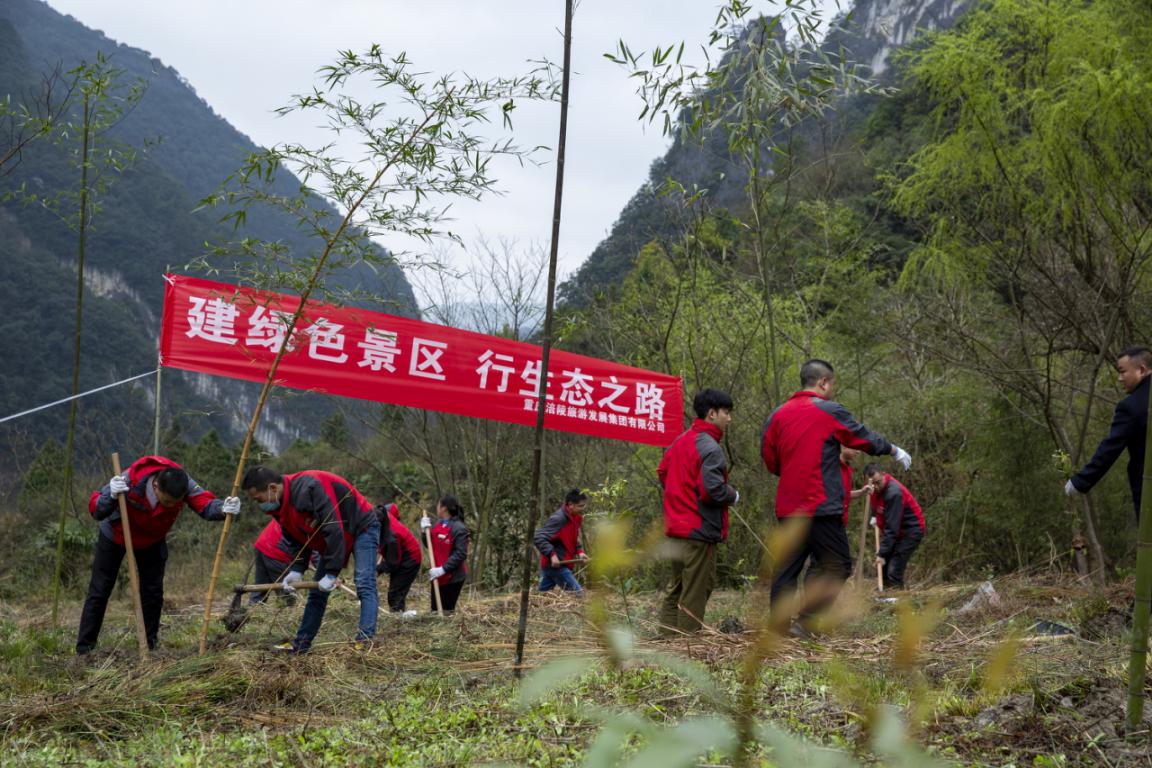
<point x="575" y="496"/>
<point x="872" y="468"/>
<point x="259" y="477"/>
<point x="813" y="370"/>
<point x="707" y="399"/>
<point x="172" y="482"/>
<point x="1138" y="355"/>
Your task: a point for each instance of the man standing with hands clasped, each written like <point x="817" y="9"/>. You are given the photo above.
<point x="801" y="445"/>
<point x="1129" y="426"/>
<point x="694" y="476"/>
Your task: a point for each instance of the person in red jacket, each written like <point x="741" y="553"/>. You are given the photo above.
<point x="156" y="489"/>
<point x="271" y="561"/>
<point x="323" y="513"/>
<point x="694" y="476"/>
<point x="400" y="557"/>
<point x="901" y="521"/>
<point x="559" y="540"/>
<point x="450" y="551"/>
<point x="801" y="445"/>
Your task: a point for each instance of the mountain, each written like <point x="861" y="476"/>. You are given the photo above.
<point x="869" y="35"/>
<point x="145" y="225"/>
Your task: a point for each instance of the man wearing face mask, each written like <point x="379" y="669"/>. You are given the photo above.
<point x="801" y="445"/>
<point x="323" y="513"/>
<point x="155" y="490"/>
<point x="1129" y="425"/>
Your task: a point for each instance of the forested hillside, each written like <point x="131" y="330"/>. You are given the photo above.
<point x="145" y="222"/>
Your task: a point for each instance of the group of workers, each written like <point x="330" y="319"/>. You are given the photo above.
<point x="810" y="443"/>
<point x="320" y="520"/>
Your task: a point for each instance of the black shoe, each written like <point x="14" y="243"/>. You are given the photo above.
<point x="800" y="632"/>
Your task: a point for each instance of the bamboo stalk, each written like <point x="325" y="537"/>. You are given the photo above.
<point x="289" y="330"/>
<point x="546" y="349"/>
<point x="432" y="564"/>
<point x="863" y="540"/>
<point x="133" y="574"/>
<point x="879" y="566"/>
<point x="1142" y="601"/>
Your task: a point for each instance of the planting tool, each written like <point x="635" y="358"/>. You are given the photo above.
<point x="238" y="612"/>
<point x="879" y="565"/>
<point x="435" y="583"/>
<point x="133" y="574"/>
<point x="863" y="540"/>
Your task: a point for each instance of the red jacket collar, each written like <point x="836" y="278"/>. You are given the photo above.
<point x="699" y="425"/>
<point x="807" y="393"/>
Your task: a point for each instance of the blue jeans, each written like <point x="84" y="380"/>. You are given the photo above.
<point x="364" y="550"/>
<point x="559" y="577"/>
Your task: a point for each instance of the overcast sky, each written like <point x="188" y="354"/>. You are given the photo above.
<point x="246" y="57"/>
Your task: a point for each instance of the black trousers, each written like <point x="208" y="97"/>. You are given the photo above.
<point x="267" y="570"/>
<point x="150" y="563"/>
<point x="897" y="562"/>
<point x="824" y="548"/>
<point x="399" y="582"/>
<point x="449" y="594"/>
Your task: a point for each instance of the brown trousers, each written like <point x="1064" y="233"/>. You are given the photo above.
<point x="693" y="579"/>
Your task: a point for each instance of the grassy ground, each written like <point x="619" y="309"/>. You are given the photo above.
<point x="972" y="688"/>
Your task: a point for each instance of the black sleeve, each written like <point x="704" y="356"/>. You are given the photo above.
<point x="459" y="551"/>
<point x="852" y="433"/>
<point x="543" y="538"/>
<point x="893" y="518"/>
<point x="712" y="466"/>
<point x="1110" y="448"/>
<point x="105" y="504"/>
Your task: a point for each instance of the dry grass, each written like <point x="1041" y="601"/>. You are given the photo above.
<point x="1064" y="695"/>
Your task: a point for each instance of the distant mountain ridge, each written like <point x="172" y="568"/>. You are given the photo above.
<point x="869" y="34"/>
<point x="146" y="226"/>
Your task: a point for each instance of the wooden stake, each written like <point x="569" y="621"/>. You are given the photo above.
<point x="432" y="564"/>
<point x="133" y="574"/>
<point x="879" y="566"/>
<point x="863" y="541"/>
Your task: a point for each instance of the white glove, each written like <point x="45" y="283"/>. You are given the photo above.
<point x="328" y="583"/>
<point x="292" y="577"/>
<point x="1070" y="489"/>
<point x="435" y="573"/>
<point x="232" y="505"/>
<point x="737" y="499"/>
<point x="872" y="521"/>
<point x="118" y="485"/>
<point x="425" y="523"/>
<point x="902" y="456"/>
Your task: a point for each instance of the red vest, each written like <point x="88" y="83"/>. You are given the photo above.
<point x="567" y="538"/>
<point x="911" y="511"/>
<point x="268" y="543"/>
<point x="150" y="524"/>
<point x="409" y="547"/>
<point x="442" y="540"/>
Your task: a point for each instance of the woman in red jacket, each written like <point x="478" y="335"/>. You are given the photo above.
<point x="449" y="550"/>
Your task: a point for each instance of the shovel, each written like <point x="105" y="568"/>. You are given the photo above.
<point x="238" y="613"/>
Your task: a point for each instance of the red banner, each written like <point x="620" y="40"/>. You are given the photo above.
<point x="228" y="330"/>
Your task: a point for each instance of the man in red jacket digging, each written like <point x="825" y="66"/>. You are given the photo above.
<point x="156" y="490"/>
<point x="801" y="445"/>
<point x="900" y="521"/>
<point x="694" y="476"/>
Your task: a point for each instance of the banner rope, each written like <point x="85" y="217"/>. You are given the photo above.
<point x="76" y="397"/>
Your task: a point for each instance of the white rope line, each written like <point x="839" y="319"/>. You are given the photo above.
<point x="76" y="397"/>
